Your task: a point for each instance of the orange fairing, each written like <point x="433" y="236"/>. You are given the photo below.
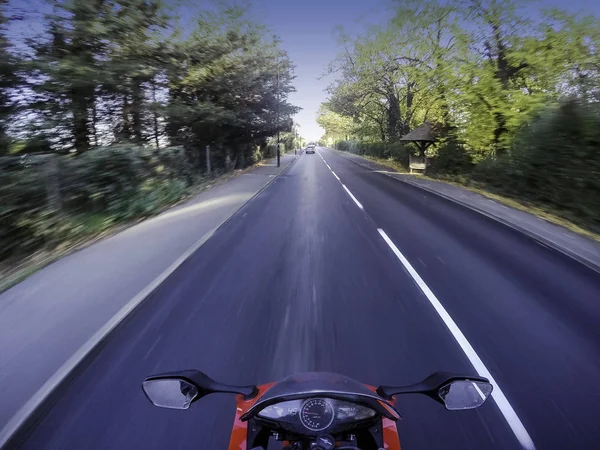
<point x="390" y="434"/>
<point x="386" y="404"/>
<point x="240" y="429"/>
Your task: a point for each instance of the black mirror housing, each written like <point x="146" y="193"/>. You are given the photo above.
<point x="430" y="386"/>
<point x="204" y="384"/>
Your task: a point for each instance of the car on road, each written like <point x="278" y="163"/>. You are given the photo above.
<point x="310" y="148"/>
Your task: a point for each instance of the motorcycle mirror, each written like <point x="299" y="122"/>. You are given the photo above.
<point x="178" y="390"/>
<point x="453" y="390"/>
<point x="464" y="394"/>
<point x="173" y="393"/>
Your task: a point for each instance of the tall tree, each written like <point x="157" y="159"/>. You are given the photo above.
<point x="67" y="69"/>
<point x="400" y="74"/>
<point x="230" y="85"/>
<point x="8" y="81"/>
<point x="136" y="59"/>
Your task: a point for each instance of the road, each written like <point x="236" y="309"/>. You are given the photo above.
<point x="301" y="279"/>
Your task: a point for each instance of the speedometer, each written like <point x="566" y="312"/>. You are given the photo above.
<point x="316" y="414"/>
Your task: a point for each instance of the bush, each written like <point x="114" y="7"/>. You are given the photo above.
<point x="174" y="162"/>
<point x="22" y="206"/>
<point x="554" y="161"/>
<point x="155" y="196"/>
<point x="106" y="184"/>
<point x="386" y="150"/>
<point x="452" y="158"/>
<point x="105" y="179"/>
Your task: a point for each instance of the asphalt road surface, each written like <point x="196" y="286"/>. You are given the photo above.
<point x="301" y="279"/>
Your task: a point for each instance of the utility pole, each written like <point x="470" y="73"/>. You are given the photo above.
<point x="278" y="152"/>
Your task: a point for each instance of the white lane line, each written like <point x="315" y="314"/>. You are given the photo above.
<point x="352" y="197"/>
<point x="343" y="185"/>
<point x="505" y="408"/>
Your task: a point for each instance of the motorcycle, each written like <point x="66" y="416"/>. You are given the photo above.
<point x="315" y="410"/>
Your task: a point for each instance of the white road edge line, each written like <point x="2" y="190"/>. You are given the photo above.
<point x="335" y="175"/>
<point x="54" y="381"/>
<point x="352" y="197"/>
<point x="503" y="405"/>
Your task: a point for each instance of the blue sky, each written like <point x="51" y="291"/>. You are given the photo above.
<point x="306" y="29"/>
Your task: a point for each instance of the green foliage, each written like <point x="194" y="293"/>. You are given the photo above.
<point x="554" y="161"/>
<point x="451" y="158"/>
<point x="96" y="188"/>
<point x="119" y="71"/>
<point x="483" y="68"/>
<point x="22" y="209"/>
<point x="230" y="85"/>
<point x="129" y="104"/>
<point x="490" y="75"/>
<point x="335" y="125"/>
<point x="103" y="180"/>
<point x="8" y="81"/>
<point x="395" y="151"/>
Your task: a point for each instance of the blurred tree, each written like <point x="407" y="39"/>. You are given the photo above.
<point x="138" y="56"/>
<point x="8" y="81"/>
<point x="68" y="68"/>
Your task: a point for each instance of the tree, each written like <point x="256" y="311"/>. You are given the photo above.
<point x="137" y="60"/>
<point x="398" y="75"/>
<point x="336" y="126"/>
<point x="481" y="68"/>
<point x="8" y="81"/>
<point x="229" y="85"/>
<point x="67" y="69"/>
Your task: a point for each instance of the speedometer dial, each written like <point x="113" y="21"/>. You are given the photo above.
<point x="316" y="414"/>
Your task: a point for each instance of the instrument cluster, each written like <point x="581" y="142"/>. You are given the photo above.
<point x="316" y="414"/>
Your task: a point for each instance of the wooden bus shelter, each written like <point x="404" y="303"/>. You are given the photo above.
<point x="422" y="137"/>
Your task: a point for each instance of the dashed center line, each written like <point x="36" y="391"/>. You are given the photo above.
<point x="343" y="185"/>
<point x="352" y="197"/>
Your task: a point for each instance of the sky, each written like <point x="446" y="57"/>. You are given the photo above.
<point x="306" y="29"/>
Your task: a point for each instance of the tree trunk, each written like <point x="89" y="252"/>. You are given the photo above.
<point x="502" y="63"/>
<point x="394" y="126"/>
<point x="155" y="118"/>
<point x="136" y="111"/>
<point x="95" y="124"/>
<point x="79" y="109"/>
<point x="499" y="131"/>
<point x="381" y="130"/>
<point x="410" y="95"/>
<point x="125" y="131"/>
